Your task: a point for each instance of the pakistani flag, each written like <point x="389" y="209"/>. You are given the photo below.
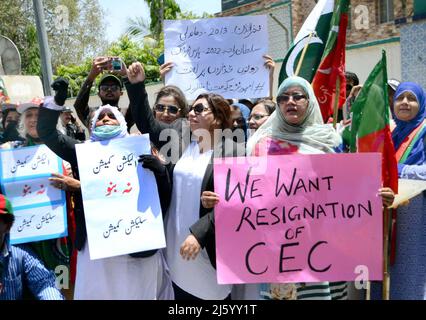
<point x="318" y="22"/>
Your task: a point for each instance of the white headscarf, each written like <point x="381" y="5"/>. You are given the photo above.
<point x="118" y="115"/>
<point x="312" y="133"/>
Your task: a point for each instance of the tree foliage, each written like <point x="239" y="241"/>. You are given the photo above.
<point x="189" y="15"/>
<point x="74" y="47"/>
<point x="159" y="11"/>
<point x="137" y="28"/>
<point x="130" y="51"/>
<point x="74" y="29"/>
<point x="75" y="74"/>
<point x="31" y="62"/>
<point x="15" y="24"/>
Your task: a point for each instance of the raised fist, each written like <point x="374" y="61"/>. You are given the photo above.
<point x="60" y="85"/>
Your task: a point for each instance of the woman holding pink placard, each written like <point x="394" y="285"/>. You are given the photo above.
<point x="295" y="127"/>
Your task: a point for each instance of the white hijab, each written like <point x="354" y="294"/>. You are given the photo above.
<point x="311" y="134"/>
<point x="118" y="115"/>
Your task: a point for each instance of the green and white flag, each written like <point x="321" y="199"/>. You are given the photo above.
<point x="318" y="22"/>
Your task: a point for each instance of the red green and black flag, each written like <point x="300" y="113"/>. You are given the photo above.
<point x="5" y="205"/>
<point x="370" y="130"/>
<point x="329" y="82"/>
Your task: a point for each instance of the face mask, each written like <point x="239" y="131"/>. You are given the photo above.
<point x="106" y="132"/>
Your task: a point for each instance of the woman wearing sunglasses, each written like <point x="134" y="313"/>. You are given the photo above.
<point x="190" y="233"/>
<point x="170" y="104"/>
<point x="297" y="127"/>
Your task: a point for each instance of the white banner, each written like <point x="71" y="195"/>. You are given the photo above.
<point x="28" y="162"/>
<point x="408" y="189"/>
<point x="39" y="208"/>
<point x="120" y="197"/>
<point x="220" y="55"/>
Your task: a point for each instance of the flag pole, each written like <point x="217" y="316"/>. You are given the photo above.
<point x="368" y="291"/>
<point x="299" y="64"/>
<point x="386" y="275"/>
<point x="336" y="102"/>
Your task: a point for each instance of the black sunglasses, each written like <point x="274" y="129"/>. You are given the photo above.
<point x="108" y="113"/>
<point x="113" y="87"/>
<point x="199" y="108"/>
<point x="162" y="108"/>
<point x="286" y="98"/>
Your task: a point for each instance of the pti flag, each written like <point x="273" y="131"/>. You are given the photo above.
<point x="329" y="82"/>
<point x="317" y="23"/>
<point x="369" y="130"/>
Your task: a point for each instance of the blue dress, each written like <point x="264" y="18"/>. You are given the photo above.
<point x="408" y="274"/>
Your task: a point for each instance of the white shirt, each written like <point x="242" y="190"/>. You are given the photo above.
<point x="197" y="277"/>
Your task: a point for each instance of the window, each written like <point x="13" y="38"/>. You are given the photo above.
<point x="385" y="11"/>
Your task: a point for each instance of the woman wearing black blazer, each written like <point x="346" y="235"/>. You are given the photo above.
<point x="190" y="145"/>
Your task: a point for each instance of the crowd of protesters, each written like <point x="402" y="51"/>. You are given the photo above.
<point x="186" y="268"/>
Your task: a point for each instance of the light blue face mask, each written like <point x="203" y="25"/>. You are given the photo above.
<point x="106" y="132"/>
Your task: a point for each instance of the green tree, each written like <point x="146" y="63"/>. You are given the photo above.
<point x="137" y="27"/>
<point x="16" y="25"/>
<point x="159" y="11"/>
<point x="130" y="51"/>
<point x="189" y="15"/>
<point x="130" y="47"/>
<point x="75" y="74"/>
<point x="31" y="63"/>
<point x="83" y="37"/>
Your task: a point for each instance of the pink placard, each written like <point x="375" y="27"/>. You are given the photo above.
<point x="299" y="218"/>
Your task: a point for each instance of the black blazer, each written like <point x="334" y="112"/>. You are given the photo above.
<point x="204" y="228"/>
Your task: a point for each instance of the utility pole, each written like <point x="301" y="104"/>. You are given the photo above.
<point x="161" y="16"/>
<point x="44" y="47"/>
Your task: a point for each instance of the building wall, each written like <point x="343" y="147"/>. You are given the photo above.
<point x="300" y="11"/>
<point x="374" y="30"/>
<point x="357" y="32"/>
<point x="365" y="39"/>
<point x="362" y="60"/>
<point x="413" y="48"/>
<point x="360" y="30"/>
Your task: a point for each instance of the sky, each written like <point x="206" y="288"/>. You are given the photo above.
<point x="117" y="12"/>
